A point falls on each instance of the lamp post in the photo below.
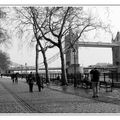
(75, 82)
(26, 67)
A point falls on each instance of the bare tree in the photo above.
(57, 22)
(27, 30)
(45, 28)
(54, 23)
(4, 58)
(42, 47)
(4, 37)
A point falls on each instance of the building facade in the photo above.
(71, 54)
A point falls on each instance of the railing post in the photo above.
(112, 80)
(104, 77)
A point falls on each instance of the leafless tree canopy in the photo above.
(48, 26)
(4, 37)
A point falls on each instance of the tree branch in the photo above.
(50, 25)
(35, 22)
(64, 20)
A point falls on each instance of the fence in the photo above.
(111, 77)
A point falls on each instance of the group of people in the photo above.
(14, 77)
(30, 78)
(30, 81)
(94, 75)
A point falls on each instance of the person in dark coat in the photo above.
(1, 75)
(12, 77)
(26, 76)
(95, 81)
(30, 82)
(16, 77)
(38, 81)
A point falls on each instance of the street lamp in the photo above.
(26, 67)
(75, 82)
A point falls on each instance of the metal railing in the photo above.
(106, 77)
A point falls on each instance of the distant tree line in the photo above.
(4, 57)
(4, 61)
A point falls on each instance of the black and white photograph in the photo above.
(58, 58)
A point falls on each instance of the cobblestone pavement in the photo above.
(15, 98)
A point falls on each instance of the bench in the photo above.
(86, 84)
(108, 85)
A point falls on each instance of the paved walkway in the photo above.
(107, 97)
(15, 98)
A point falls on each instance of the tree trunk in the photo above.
(63, 68)
(36, 60)
(46, 67)
(45, 62)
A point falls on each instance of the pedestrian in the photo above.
(1, 75)
(16, 77)
(30, 82)
(95, 81)
(38, 81)
(26, 76)
(12, 77)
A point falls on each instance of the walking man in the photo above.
(38, 81)
(12, 77)
(30, 82)
(16, 77)
(95, 81)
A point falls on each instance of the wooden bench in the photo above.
(107, 85)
